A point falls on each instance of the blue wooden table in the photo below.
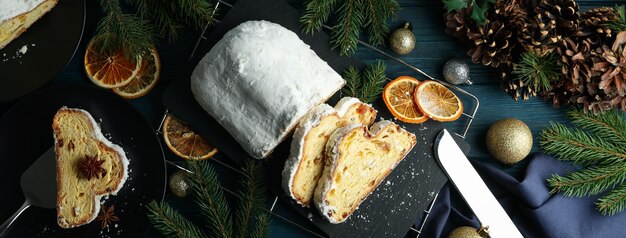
(433, 48)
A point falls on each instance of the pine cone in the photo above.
(510, 12)
(575, 60)
(611, 67)
(606, 89)
(491, 44)
(597, 101)
(594, 24)
(514, 87)
(517, 89)
(565, 12)
(540, 34)
(459, 23)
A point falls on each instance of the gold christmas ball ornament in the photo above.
(402, 40)
(178, 185)
(469, 232)
(509, 140)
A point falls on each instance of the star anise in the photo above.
(107, 217)
(91, 167)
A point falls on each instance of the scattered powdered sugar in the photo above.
(17, 54)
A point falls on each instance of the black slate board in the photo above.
(392, 208)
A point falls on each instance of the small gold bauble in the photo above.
(178, 185)
(402, 40)
(509, 140)
(468, 232)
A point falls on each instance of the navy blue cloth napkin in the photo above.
(528, 202)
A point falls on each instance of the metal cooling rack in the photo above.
(271, 209)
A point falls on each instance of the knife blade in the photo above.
(473, 189)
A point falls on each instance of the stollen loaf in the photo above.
(258, 81)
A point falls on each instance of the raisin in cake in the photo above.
(18, 15)
(258, 81)
(88, 167)
(306, 162)
(358, 160)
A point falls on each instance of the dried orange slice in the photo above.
(437, 101)
(109, 70)
(145, 80)
(184, 142)
(398, 96)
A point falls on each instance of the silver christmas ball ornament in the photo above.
(456, 71)
(402, 40)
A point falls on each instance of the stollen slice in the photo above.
(306, 162)
(357, 161)
(89, 167)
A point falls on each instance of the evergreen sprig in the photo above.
(538, 72)
(210, 198)
(597, 144)
(365, 86)
(613, 202)
(171, 223)
(352, 17)
(620, 23)
(135, 34)
(171, 16)
(116, 30)
(252, 199)
(345, 34)
(248, 220)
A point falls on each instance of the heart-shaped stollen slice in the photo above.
(88, 167)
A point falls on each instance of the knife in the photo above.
(473, 189)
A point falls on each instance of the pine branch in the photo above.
(252, 199)
(352, 16)
(117, 30)
(376, 14)
(261, 226)
(171, 223)
(170, 16)
(589, 181)
(198, 12)
(609, 124)
(316, 14)
(158, 13)
(365, 86)
(538, 72)
(580, 147)
(353, 82)
(209, 197)
(345, 34)
(613, 202)
(373, 81)
(600, 148)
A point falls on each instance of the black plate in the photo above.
(25, 133)
(55, 37)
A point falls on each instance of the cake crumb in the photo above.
(24, 49)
